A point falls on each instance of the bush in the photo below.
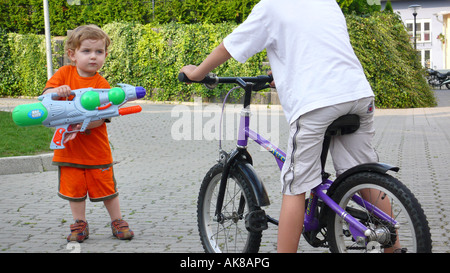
(389, 61)
(388, 7)
(30, 67)
(26, 16)
(23, 65)
(200, 11)
(151, 55)
(7, 78)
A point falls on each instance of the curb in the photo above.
(27, 164)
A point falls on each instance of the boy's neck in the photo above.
(84, 74)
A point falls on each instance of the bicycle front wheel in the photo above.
(411, 232)
(229, 234)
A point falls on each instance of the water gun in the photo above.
(88, 105)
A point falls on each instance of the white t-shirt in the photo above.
(309, 50)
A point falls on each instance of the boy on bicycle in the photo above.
(85, 165)
(318, 79)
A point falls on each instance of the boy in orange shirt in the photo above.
(85, 165)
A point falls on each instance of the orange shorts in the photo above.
(75, 184)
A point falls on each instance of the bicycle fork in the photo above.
(256, 219)
(227, 160)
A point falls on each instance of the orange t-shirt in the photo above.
(89, 149)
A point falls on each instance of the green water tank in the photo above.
(29, 114)
(116, 95)
(90, 100)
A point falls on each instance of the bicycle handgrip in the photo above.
(183, 78)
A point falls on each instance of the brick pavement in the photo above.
(159, 178)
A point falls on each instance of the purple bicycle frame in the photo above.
(310, 222)
(245, 132)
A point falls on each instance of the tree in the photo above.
(388, 7)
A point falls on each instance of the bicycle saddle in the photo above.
(343, 125)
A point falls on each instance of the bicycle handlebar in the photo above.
(248, 83)
(212, 79)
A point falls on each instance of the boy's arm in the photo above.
(64, 91)
(95, 124)
(217, 57)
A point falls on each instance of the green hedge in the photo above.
(390, 62)
(151, 56)
(7, 78)
(23, 64)
(26, 16)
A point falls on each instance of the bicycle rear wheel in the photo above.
(381, 190)
(229, 234)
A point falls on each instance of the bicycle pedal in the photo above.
(256, 221)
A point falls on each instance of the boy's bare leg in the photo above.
(374, 196)
(78, 210)
(113, 207)
(291, 222)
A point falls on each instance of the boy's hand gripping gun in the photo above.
(88, 105)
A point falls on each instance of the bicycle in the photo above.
(337, 216)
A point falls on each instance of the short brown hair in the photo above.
(86, 32)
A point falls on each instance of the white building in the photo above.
(432, 29)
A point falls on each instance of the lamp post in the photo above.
(48, 40)
(415, 8)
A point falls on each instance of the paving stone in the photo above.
(159, 178)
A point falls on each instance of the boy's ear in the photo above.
(71, 55)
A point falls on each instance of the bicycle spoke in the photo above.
(379, 203)
(227, 232)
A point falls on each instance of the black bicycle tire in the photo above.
(401, 192)
(253, 238)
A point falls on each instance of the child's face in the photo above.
(89, 57)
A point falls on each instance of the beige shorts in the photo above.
(301, 171)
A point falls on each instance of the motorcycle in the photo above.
(438, 79)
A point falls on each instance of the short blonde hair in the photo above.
(86, 32)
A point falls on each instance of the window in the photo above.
(423, 30)
(426, 32)
(425, 58)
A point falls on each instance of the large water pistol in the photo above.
(88, 105)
